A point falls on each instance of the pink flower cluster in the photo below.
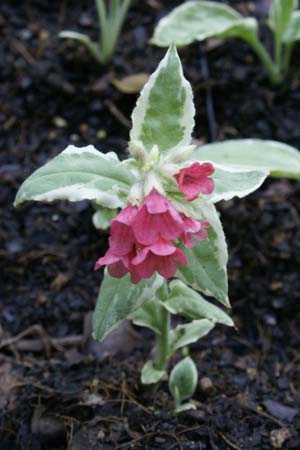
(142, 239)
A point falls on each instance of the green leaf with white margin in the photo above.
(199, 20)
(187, 302)
(149, 315)
(103, 217)
(78, 174)
(235, 182)
(118, 299)
(189, 333)
(206, 268)
(292, 33)
(279, 159)
(183, 381)
(150, 375)
(164, 113)
(280, 16)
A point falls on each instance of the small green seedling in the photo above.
(111, 19)
(198, 20)
(167, 246)
(182, 384)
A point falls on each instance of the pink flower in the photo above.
(122, 245)
(118, 266)
(156, 218)
(162, 257)
(142, 239)
(194, 180)
(122, 238)
(193, 230)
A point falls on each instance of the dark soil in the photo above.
(58, 389)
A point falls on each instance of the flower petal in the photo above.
(156, 218)
(194, 180)
(121, 239)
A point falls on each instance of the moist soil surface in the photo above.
(59, 389)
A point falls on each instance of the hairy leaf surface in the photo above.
(199, 20)
(118, 299)
(206, 269)
(275, 157)
(164, 114)
(78, 174)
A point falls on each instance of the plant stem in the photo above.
(271, 68)
(278, 54)
(162, 342)
(287, 56)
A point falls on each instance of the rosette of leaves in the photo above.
(163, 121)
(198, 20)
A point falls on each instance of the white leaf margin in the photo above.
(140, 110)
(240, 193)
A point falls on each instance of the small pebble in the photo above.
(101, 435)
(252, 373)
(74, 138)
(85, 20)
(101, 134)
(206, 386)
(279, 437)
(60, 122)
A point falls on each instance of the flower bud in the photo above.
(137, 151)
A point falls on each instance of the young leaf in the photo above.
(118, 299)
(235, 182)
(78, 174)
(189, 333)
(277, 158)
(292, 32)
(206, 268)
(199, 20)
(280, 16)
(185, 301)
(102, 218)
(149, 315)
(93, 47)
(150, 375)
(164, 114)
(184, 407)
(183, 381)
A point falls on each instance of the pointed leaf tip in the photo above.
(164, 113)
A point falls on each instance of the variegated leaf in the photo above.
(199, 20)
(189, 333)
(235, 182)
(275, 157)
(151, 375)
(187, 302)
(164, 112)
(183, 382)
(78, 174)
(118, 299)
(149, 315)
(206, 268)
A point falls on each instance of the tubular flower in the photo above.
(194, 180)
(142, 240)
(194, 230)
(162, 257)
(157, 218)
